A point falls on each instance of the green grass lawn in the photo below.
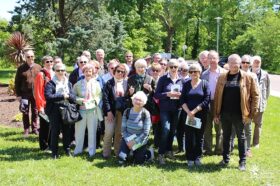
(23, 164)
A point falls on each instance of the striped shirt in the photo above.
(135, 125)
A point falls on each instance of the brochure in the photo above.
(175, 88)
(136, 145)
(196, 122)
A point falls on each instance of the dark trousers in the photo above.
(168, 120)
(180, 132)
(34, 114)
(230, 120)
(157, 133)
(194, 140)
(44, 134)
(56, 127)
(140, 155)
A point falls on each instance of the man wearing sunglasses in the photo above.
(25, 76)
(77, 73)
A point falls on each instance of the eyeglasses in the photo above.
(171, 67)
(184, 70)
(128, 56)
(120, 71)
(191, 72)
(48, 61)
(163, 64)
(112, 68)
(83, 62)
(28, 57)
(61, 70)
(154, 70)
(137, 99)
(245, 62)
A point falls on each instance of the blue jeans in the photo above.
(168, 120)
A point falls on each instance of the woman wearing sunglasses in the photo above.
(195, 100)
(57, 92)
(168, 92)
(113, 90)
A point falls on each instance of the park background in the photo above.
(181, 27)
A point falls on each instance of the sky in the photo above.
(5, 6)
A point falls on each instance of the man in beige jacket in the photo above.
(235, 104)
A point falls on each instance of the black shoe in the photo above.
(68, 153)
(223, 163)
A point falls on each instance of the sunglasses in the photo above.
(61, 70)
(83, 62)
(112, 68)
(155, 70)
(48, 61)
(120, 71)
(191, 72)
(171, 67)
(128, 56)
(28, 57)
(163, 64)
(245, 62)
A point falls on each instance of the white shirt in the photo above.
(213, 78)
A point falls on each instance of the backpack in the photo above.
(143, 114)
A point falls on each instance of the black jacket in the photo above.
(53, 100)
(108, 96)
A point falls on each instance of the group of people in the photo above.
(121, 102)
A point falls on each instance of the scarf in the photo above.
(61, 86)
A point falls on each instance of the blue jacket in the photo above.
(164, 86)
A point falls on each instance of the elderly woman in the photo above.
(114, 90)
(195, 100)
(180, 130)
(168, 92)
(40, 81)
(88, 94)
(57, 92)
(139, 81)
(111, 67)
(136, 125)
(163, 63)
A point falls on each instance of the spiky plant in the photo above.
(16, 45)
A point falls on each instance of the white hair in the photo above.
(59, 65)
(140, 95)
(234, 57)
(140, 62)
(257, 58)
(248, 57)
(195, 67)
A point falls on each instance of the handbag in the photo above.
(121, 104)
(70, 114)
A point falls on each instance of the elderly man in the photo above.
(264, 89)
(25, 76)
(100, 55)
(129, 59)
(87, 54)
(203, 60)
(211, 75)
(235, 104)
(245, 66)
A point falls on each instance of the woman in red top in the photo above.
(39, 87)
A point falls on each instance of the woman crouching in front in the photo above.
(136, 124)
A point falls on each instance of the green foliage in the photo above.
(11, 87)
(21, 157)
